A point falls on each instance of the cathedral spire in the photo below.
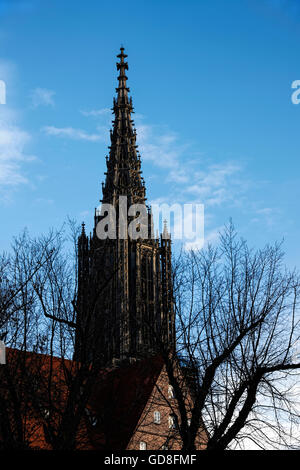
(123, 177)
(135, 306)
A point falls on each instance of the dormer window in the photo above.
(156, 417)
(143, 445)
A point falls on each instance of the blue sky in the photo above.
(211, 86)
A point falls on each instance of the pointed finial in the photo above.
(122, 66)
(83, 228)
(122, 56)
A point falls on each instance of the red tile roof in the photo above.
(117, 401)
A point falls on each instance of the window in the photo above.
(140, 337)
(156, 417)
(2, 350)
(165, 447)
(171, 393)
(91, 417)
(172, 422)
(143, 445)
(93, 420)
(189, 422)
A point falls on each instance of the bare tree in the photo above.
(18, 328)
(233, 373)
(66, 384)
(45, 391)
(237, 333)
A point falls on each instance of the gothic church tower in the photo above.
(124, 306)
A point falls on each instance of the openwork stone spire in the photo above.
(124, 307)
(123, 177)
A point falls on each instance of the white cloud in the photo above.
(217, 184)
(163, 149)
(43, 201)
(96, 112)
(71, 133)
(178, 176)
(42, 97)
(265, 211)
(268, 214)
(214, 185)
(13, 141)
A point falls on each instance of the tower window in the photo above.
(143, 445)
(156, 417)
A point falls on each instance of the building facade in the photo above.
(124, 307)
(129, 408)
